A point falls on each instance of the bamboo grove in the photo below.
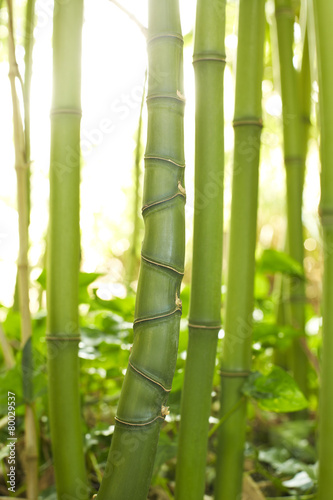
(200, 404)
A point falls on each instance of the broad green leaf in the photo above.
(273, 261)
(277, 391)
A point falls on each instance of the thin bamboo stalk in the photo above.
(28, 46)
(294, 157)
(133, 264)
(7, 350)
(236, 358)
(323, 18)
(31, 449)
(205, 304)
(142, 404)
(63, 254)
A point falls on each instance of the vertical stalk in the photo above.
(63, 253)
(31, 452)
(236, 358)
(205, 307)
(136, 203)
(28, 46)
(294, 157)
(323, 11)
(152, 362)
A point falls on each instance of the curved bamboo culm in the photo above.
(294, 153)
(63, 253)
(142, 405)
(236, 357)
(205, 302)
(21, 166)
(323, 11)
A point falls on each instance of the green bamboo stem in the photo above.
(205, 304)
(295, 165)
(28, 46)
(64, 253)
(236, 358)
(133, 264)
(142, 404)
(31, 450)
(323, 16)
(7, 350)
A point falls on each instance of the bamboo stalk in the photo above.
(133, 264)
(7, 350)
(63, 255)
(294, 154)
(236, 358)
(323, 16)
(28, 46)
(142, 404)
(31, 450)
(205, 303)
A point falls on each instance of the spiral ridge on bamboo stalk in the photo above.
(158, 306)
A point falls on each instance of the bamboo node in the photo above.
(148, 378)
(159, 202)
(132, 424)
(159, 264)
(62, 338)
(294, 159)
(248, 121)
(170, 160)
(65, 111)
(206, 56)
(176, 97)
(165, 411)
(165, 35)
(288, 11)
(205, 327)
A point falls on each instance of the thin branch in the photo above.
(131, 16)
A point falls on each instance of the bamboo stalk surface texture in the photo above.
(142, 404)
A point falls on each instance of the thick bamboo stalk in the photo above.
(142, 405)
(236, 358)
(294, 157)
(31, 450)
(205, 306)
(323, 17)
(64, 253)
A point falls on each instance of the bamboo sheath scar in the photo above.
(143, 401)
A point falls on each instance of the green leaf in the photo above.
(123, 307)
(277, 391)
(273, 261)
(166, 450)
(85, 279)
(273, 335)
